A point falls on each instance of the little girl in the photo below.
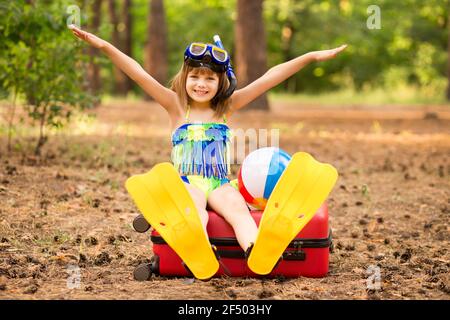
(199, 109)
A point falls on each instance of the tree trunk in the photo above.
(448, 58)
(155, 58)
(42, 137)
(128, 37)
(286, 48)
(94, 68)
(11, 119)
(251, 55)
(119, 76)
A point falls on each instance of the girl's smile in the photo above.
(202, 87)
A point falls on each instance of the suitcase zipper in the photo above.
(232, 242)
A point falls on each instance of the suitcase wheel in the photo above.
(144, 271)
(140, 224)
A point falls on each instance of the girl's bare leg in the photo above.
(230, 204)
(200, 203)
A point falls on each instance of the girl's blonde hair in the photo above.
(178, 84)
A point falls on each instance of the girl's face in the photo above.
(202, 86)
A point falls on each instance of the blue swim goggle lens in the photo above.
(199, 49)
(206, 55)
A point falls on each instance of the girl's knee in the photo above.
(227, 199)
(233, 198)
(224, 192)
(197, 195)
(204, 215)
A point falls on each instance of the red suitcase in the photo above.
(307, 255)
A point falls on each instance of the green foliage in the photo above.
(40, 61)
(409, 49)
(413, 38)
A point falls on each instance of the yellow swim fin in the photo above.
(166, 204)
(298, 194)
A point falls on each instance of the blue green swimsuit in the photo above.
(201, 154)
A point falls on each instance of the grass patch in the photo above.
(402, 96)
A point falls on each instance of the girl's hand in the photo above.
(93, 40)
(324, 55)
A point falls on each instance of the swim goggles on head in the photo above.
(206, 55)
(214, 57)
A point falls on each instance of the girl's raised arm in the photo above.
(164, 96)
(278, 74)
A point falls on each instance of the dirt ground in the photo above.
(389, 209)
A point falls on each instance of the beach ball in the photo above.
(259, 173)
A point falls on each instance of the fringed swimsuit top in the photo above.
(202, 149)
